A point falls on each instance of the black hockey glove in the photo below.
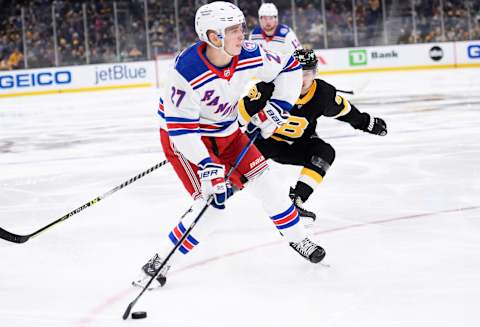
(377, 126)
(257, 97)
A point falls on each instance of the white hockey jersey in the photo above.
(202, 100)
(283, 40)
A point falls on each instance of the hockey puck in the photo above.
(139, 315)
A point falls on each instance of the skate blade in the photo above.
(308, 222)
(141, 283)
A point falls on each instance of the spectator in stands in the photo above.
(458, 16)
(15, 60)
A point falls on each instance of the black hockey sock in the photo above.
(303, 191)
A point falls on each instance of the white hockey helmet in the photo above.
(217, 16)
(267, 9)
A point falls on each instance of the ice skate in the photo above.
(309, 250)
(307, 216)
(149, 270)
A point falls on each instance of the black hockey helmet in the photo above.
(307, 58)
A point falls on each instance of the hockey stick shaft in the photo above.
(15, 238)
(190, 228)
(347, 92)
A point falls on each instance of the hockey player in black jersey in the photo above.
(296, 142)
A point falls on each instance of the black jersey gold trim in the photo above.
(320, 100)
(309, 95)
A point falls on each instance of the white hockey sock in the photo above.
(278, 206)
(200, 232)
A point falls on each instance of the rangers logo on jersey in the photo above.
(250, 46)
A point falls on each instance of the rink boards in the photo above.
(88, 78)
(400, 57)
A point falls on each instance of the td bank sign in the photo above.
(361, 57)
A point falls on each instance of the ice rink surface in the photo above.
(399, 217)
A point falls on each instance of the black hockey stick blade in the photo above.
(129, 308)
(6, 235)
(11, 237)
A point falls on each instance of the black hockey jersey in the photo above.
(320, 100)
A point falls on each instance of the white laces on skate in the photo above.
(153, 264)
(305, 247)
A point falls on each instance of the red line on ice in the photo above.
(111, 300)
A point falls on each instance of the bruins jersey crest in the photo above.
(320, 100)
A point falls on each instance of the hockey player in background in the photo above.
(200, 134)
(271, 35)
(296, 142)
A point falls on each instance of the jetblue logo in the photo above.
(473, 51)
(119, 72)
(44, 78)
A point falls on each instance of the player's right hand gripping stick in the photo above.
(268, 120)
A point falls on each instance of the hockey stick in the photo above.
(192, 225)
(11, 237)
(347, 92)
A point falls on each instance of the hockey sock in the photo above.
(177, 233)
(204, 227)
(307, 182)
(278, 206)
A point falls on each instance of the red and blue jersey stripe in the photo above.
(180, 126)
(215, 127)
(249, 63)
(161, 109)
(203, 79)
(291, 65)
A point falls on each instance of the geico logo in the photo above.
(35, 79)
(474, 51)
(119, 72)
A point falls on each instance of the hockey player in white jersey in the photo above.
(271, 35)
(201, 138)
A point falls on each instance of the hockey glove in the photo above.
(258, 96)
(268, 120)
(377, 126)
(212, 176)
